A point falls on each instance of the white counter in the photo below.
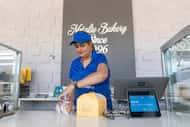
(33, 103)
(52, 119)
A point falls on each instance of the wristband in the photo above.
(75, 84)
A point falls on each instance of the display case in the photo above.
(176, 65)
(10, 60)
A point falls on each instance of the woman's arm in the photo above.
(99, 76)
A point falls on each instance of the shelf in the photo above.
(2, 95)
(2, 83)
(184, 51)
(7, 64)
(183, 101)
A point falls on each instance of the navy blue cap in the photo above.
(80, 37)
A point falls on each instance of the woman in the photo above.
(89, 72)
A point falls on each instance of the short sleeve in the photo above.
(74, 70)
(71, 71)
(101, 59)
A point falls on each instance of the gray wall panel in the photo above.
(119, 47)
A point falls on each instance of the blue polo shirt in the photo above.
(78, 72)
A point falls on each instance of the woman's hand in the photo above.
(68, 91)
(67, 97)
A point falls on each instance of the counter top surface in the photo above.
(52, 119)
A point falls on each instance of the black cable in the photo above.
(111, 115)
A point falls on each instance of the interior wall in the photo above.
(155, 22)
(35, 28)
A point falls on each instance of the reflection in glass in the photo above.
(176, 65)
(9, 75)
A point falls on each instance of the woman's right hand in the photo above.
(67, 92)
(66, 98)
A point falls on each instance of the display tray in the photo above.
(3, 114)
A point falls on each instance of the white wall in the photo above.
(155, 22)
(35, 26)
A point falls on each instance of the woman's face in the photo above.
(84, 49)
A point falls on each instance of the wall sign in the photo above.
(100, 41)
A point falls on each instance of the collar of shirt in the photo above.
(93, 58)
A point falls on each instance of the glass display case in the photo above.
(10, 60)
(176, 65)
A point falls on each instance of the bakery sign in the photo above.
(101, 41)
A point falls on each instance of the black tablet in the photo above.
(143, 103)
